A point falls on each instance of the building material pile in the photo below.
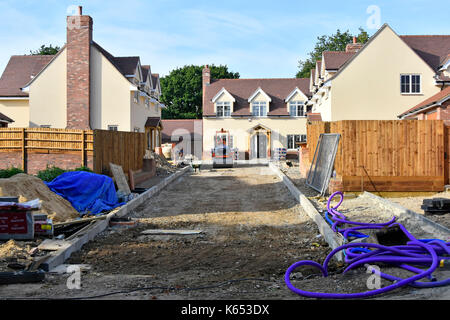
(14, 252)
(28, 187)
(162, 165)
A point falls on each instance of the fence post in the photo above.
(83, 150)
(24, 152)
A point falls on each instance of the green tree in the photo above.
(335, 42)
(45, 50)
(182, 90)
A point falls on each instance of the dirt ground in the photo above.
(252, 231)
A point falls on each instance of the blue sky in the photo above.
(258, 39)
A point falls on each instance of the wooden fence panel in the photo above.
(411, 152)
(46, 141)
(126, 149)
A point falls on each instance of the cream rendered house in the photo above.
(378, 80)
(83, 87)
(254, 116)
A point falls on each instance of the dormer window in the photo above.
(259, 103)
(297, 109)
(259, 109)
(223, 103)
(223, 109)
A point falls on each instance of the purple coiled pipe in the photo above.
(415, 252)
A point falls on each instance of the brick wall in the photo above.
(335, 184)
(39, 161)
(304, 162)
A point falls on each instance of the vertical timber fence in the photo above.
(34, 149)
(388, 155)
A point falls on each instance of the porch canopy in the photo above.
(259, 128)
(153, 128)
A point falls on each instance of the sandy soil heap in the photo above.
(28, 187)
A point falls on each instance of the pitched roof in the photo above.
(242, 89)
(19, 71)
(127, 65)
(171, 125)
(441, 95)
(431, 48)
(4, 118)
(314, 116)
(333, 60)
(319, 68)
(155, 79)
(153, 122)
(145, 71)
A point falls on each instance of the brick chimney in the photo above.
(206, 81)
(353, 47)
(79, 38)
(206, 76)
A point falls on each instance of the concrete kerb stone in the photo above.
(60, 256)
(333, 239)
(400, 211)
(133, 204)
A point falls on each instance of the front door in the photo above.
(259, 146)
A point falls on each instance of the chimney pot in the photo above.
(354, 39)
(80, 10)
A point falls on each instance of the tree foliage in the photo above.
(335, 42)
(45, 50)
(182, 90)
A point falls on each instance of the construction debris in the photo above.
(162, 165)
(174, 232)
(28, 187)
(436, 206)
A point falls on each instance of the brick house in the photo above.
(83, 86)
(255, 116)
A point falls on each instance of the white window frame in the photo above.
(223, 109)
(410, 83)
(257, 105)
(113, 127)
(297, 104)
(302, 138)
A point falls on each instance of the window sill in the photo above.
(412, 94)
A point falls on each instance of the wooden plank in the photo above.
(398, 183)
(120, 178)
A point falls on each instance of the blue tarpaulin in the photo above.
(89, 193)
